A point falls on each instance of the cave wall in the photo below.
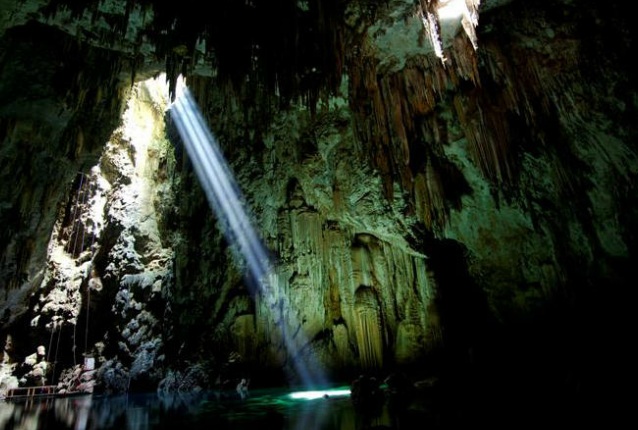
(433, 213)
(486, 170)
(60, 103)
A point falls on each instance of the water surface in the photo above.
(263, 409)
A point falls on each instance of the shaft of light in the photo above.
(225, 199)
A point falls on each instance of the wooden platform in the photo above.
(29, 393)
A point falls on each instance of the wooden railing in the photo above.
(29, 393)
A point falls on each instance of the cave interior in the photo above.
(446, 187)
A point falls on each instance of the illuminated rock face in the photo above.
(422, 211)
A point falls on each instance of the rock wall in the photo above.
(447, 200)
(60, 103)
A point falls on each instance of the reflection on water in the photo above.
(271, 409)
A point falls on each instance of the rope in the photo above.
(75, 209)
(56, 354)
(93, 229)
(50, 341)
(86, 329)
(77, 220)
(86, 193)
(75, 361)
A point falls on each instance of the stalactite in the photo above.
(419, 93)
(483, 116)
(463, 62)
(391, 105)
(430, 198)
(427, 12)
(381, 140)
(548, 91)
(368, 329)
(366, 283)
(470, 20)
(332, 299)
(497, 68)
(488, 137)
(393, 96)
(516, 90)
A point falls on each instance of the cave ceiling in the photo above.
(292, 48)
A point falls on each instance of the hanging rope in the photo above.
(84, 198)
(94, 229)
(79, 202)
(75, 212)
(51, 340)
(57, 347)
(75, 362)
(92, 241)
(86, 329)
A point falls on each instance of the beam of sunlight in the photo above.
(217, 182)
(224, 197)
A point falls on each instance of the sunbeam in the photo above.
(225, 199)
